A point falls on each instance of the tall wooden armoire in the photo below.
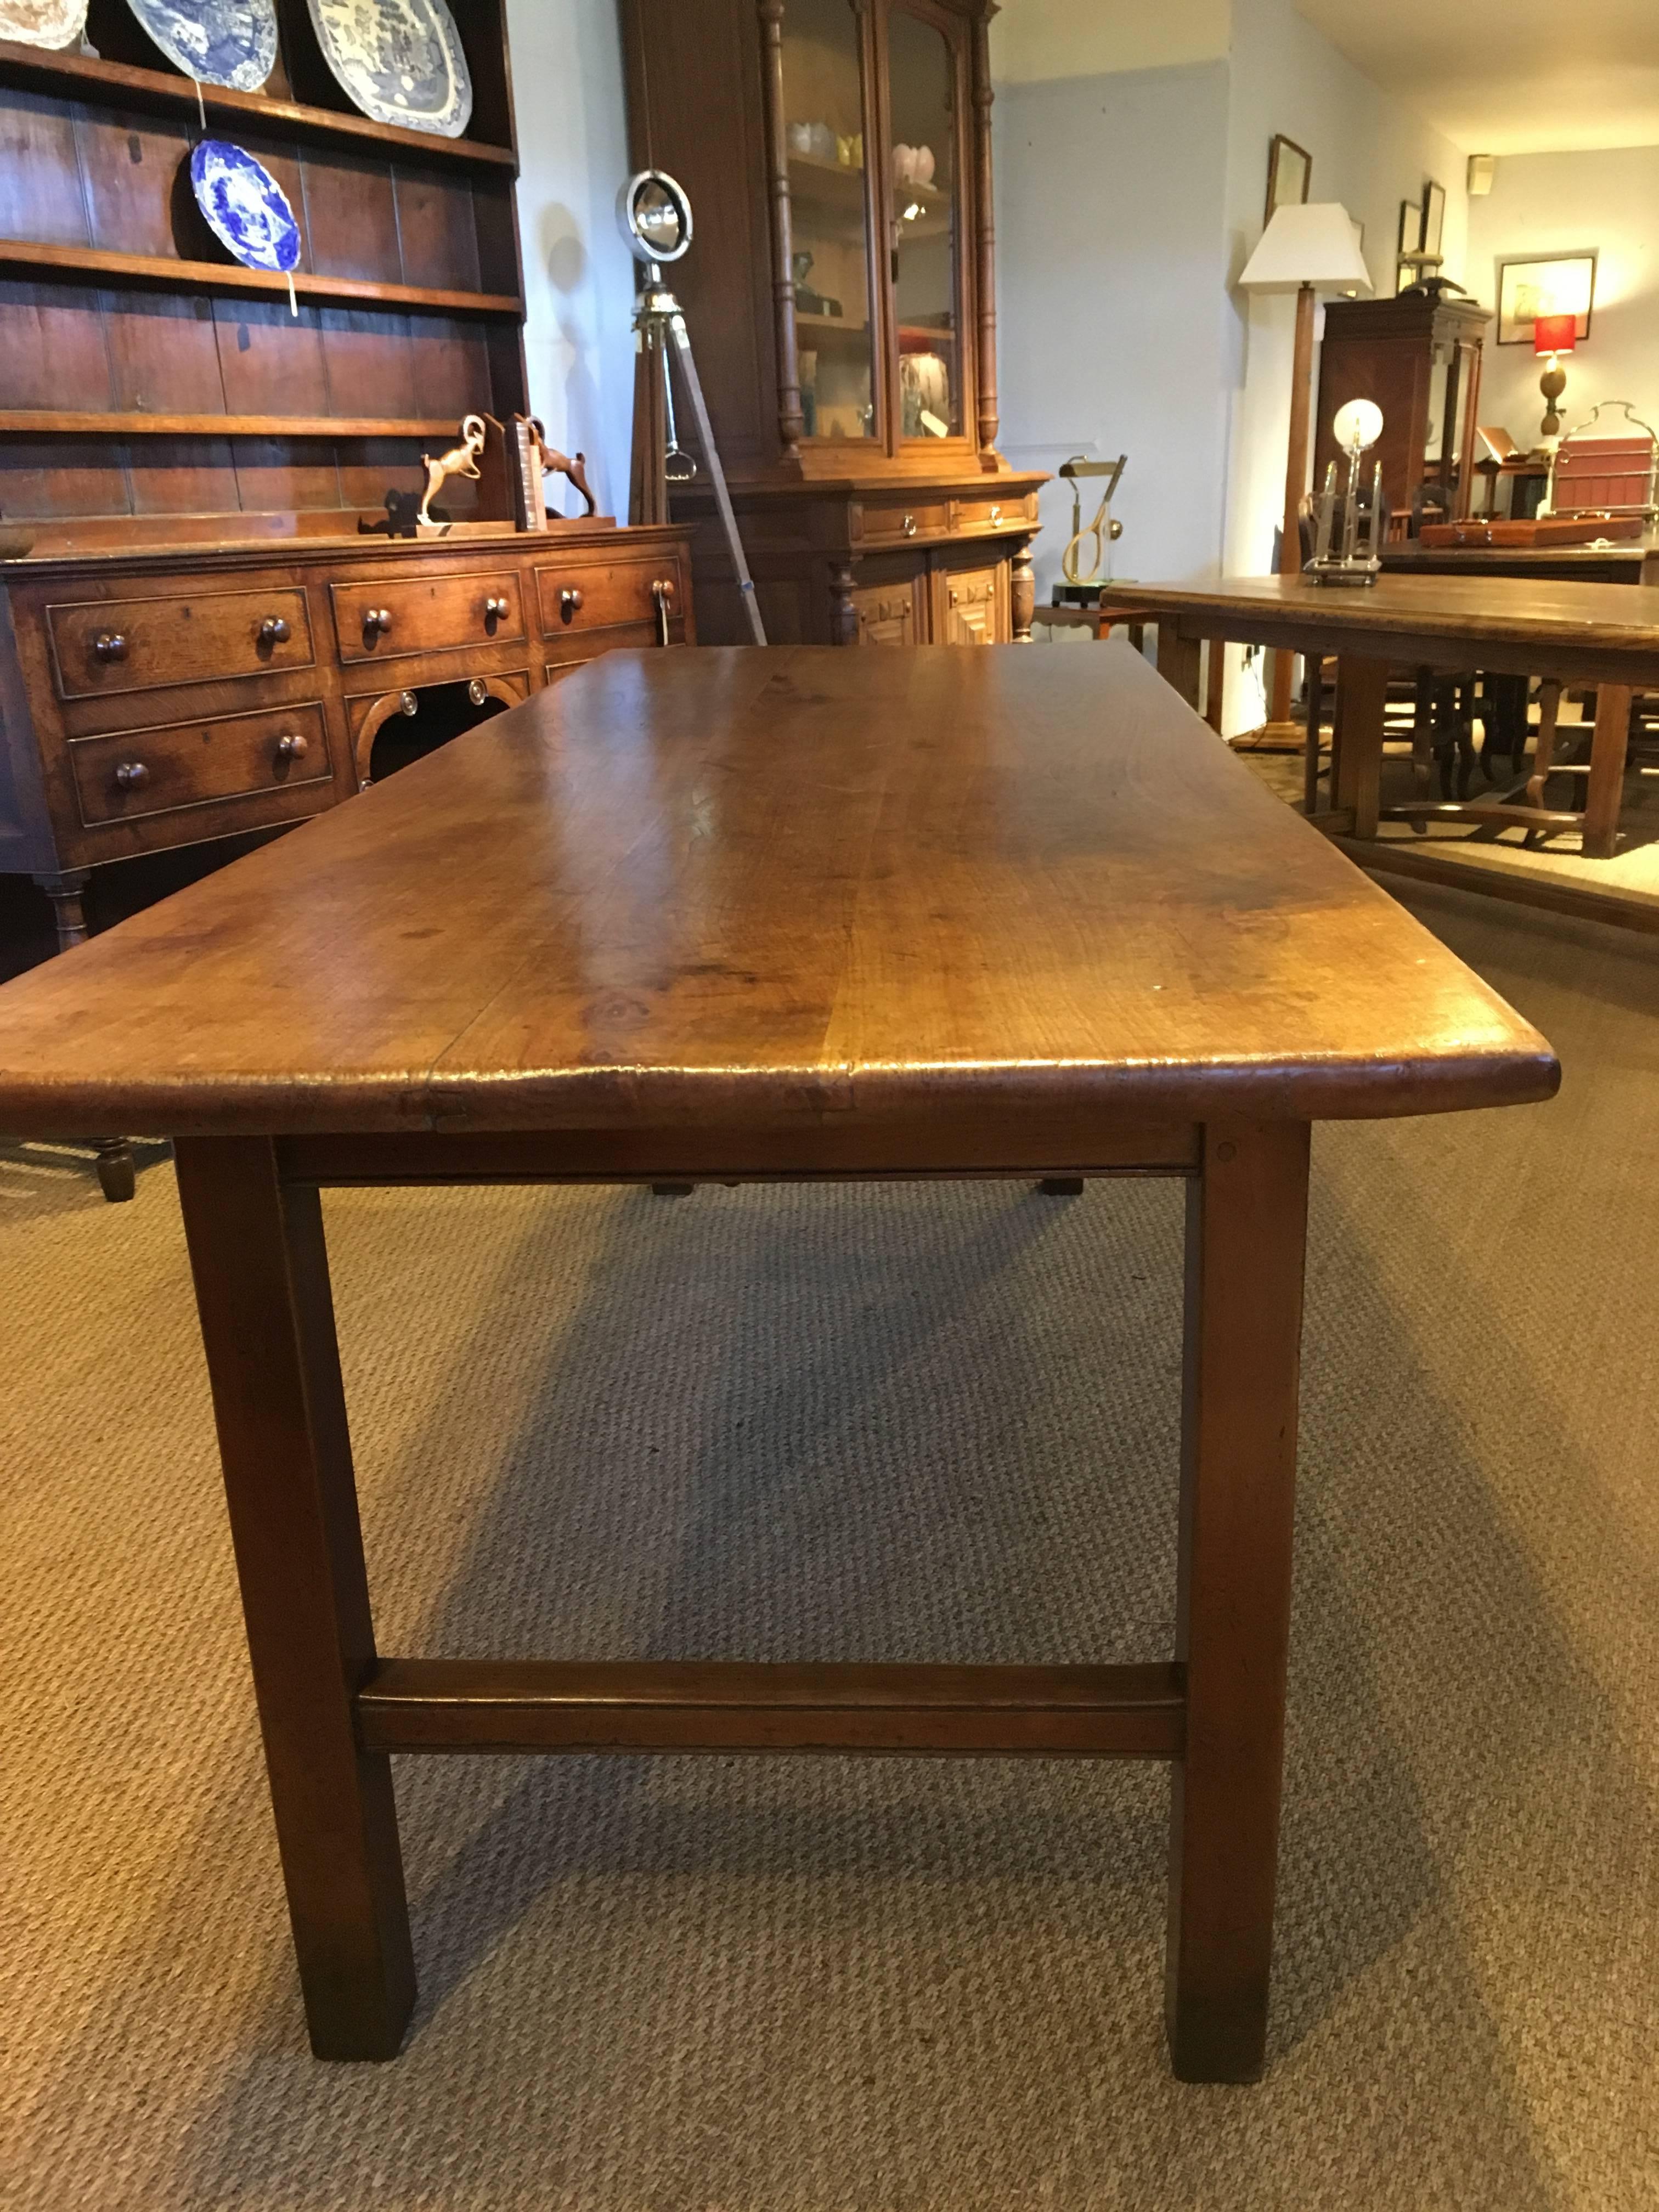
(840, 292)
(1417, 356)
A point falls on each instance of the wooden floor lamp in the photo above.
(1304, 250)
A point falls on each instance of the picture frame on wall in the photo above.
(1411, 233)
(1534, 284)
(1289, 173)
(1434, 216)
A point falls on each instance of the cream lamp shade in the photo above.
(1312, 245)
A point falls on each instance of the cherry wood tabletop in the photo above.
(753, 889)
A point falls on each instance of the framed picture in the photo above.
(1290, 173)
(1405, 276)
(1530, 285)
(1434, 216)
(1411, 227)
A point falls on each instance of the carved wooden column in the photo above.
(843, 615)
(986, 270)
(1021, 592)
(792, 423)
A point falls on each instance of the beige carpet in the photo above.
(916, 1423)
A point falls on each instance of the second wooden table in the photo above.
(1604, 634)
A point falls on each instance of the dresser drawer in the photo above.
(105, 646)
(599, 597)
(439, 614)
(889, 522)
(147, 772)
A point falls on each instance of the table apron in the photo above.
(816, 1152)
(1576, 664)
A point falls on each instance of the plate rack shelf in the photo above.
(148, 384)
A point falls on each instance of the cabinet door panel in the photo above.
(887, 613)
(971, 597)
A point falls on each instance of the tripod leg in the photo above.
(717, 474)
(648, 488)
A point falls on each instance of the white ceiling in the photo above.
(1510, 76)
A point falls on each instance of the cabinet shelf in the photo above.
(823, 326)
(117, 83)
(39, 421)
(67, 264)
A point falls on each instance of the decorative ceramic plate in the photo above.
(401, 61)
(231, 42)
(246, 207)
(51, 23)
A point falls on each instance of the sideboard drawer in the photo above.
(145, 772)
(892, 521)
(105, 646)
(380, 621)
(599, 597)
(991, 514)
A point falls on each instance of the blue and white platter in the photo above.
(400, 61)
(246, 209)
(229, 42)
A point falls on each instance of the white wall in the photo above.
(1109, 240)
(1562, 203)
(1031, 39)
(578, 280)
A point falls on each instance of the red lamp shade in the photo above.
(1554, 334)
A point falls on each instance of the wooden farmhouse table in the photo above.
(1605, 635)
(769, 914)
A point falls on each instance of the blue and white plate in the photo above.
(246, 207)
(230, 42)
(400, 61)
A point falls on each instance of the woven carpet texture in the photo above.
(918, 1422)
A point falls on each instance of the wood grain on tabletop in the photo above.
(742, 887)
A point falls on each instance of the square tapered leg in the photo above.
(1246, 1232)
(261, 1271)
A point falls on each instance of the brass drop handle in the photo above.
(377, 622)
(109, 645)
(293, 748)
(910, 525)
(662, 599)
(996, 514)
(570, 601)
(495, 609)
(273, 630)
(131, 776)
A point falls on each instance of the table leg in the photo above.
(1608, 746)
(261, 1271)
(1215, 684)
(1362, 692)
(1246, 1230)
(1179, 658)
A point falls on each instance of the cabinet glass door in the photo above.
(921, 65)
(824, 138)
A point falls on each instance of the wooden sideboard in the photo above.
(156, 697)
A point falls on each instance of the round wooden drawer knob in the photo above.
(570, 601)
(131, 776)
(495, 609)
(377, 622)
(293, 748)
(273, 630)
(663, 589)
(109, 645)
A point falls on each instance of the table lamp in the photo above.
(1552, 337)
(1303, 250)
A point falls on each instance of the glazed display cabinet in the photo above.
(841, 296)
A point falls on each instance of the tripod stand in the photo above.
(659, 459)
